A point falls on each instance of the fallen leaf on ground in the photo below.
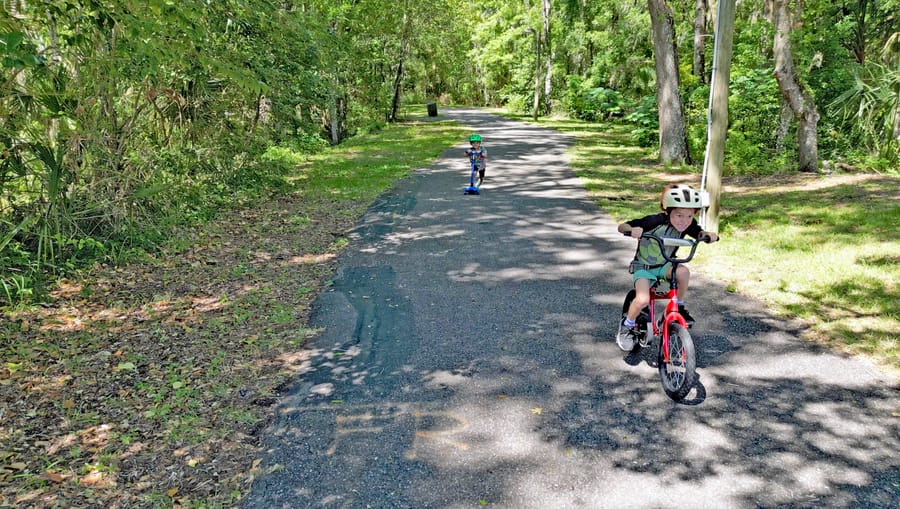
(98, 479)
(54, 477)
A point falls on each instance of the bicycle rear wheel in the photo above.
(679, 374)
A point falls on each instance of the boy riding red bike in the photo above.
(680, 204)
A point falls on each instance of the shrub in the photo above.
(645, 120)
(516, 103)
(587, 102)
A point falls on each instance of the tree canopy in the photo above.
(117, 113)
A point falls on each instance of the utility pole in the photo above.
(717, 125)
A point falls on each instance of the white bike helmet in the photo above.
(681, 196)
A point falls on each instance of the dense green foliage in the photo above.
(119, 119)
(603, 67)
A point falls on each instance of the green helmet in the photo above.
(475, 137)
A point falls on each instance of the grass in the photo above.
(822, 248)
(368, 165)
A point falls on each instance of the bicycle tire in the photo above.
(679, 374)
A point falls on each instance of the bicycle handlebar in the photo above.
(664, 242)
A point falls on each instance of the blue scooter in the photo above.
(472, 188)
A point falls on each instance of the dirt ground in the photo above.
(146, 385)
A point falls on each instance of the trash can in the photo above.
(432, 109)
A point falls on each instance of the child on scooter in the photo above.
(479, 153)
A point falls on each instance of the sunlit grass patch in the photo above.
(830, 266)
(362, 168)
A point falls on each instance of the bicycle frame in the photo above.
(670, 314)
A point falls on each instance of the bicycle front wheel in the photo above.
(679, 374)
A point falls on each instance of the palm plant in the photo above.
(872, 109)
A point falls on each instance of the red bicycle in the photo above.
(675, 356)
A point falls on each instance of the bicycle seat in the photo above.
(661, 287)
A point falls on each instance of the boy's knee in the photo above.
(641, 300)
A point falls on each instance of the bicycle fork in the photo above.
(670, 315)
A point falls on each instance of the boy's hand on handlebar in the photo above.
(630, 231)
(708, 237)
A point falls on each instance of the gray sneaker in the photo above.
(625, 338)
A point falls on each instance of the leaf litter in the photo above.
(149, 384)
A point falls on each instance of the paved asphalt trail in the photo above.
(467, 360)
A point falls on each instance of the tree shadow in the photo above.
(825, 444)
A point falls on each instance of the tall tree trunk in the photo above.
(699, 67)
(334, 114)
(395, 102)
(795, 94)
(718, 113)
(398, 79)
(858, 44)
(673, 147)
(548, 71)
(537, 75)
